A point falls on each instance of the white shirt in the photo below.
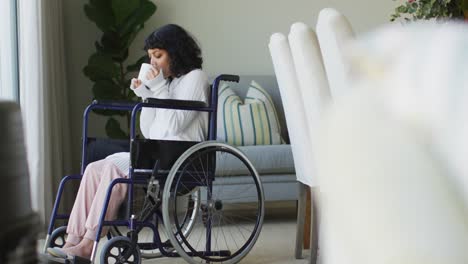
(168, 124)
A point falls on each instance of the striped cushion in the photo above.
(254, 122)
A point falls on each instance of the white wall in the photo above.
(233, 34)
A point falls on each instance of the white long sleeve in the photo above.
(157, 89)
(168, 124)
(171, 124)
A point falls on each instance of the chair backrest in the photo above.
(293, 107)
(334, 31)
(312, 80)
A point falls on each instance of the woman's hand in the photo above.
(135, 83)
(152, 73)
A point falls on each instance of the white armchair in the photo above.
(315, 96)
(295, 120)
(304, 91)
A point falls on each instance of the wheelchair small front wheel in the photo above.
(120, 250)
(231, 211)
(58, 237)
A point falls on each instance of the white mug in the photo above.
(145, 67)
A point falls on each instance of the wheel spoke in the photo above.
(231, 235)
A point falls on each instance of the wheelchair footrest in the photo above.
(48, 259)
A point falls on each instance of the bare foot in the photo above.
(68, 245)
(83, 249)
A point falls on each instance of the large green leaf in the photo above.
(102, 5)
(115, 46)
(121, 56)
(426, 10)
(138, 18)
(113, 129)
(110, 40)
(100, 48)
(116, 55)
(107, 90)
(123, 8)
(464, 5)
(128, 39)
(101, 66)
(120, 21)
(131, 96)
(402, 9)
(104, 20)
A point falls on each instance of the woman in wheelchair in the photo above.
(175, 73)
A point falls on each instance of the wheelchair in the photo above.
(189, 204)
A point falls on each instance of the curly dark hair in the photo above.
(183, 50)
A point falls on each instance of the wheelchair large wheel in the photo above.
(189, 203)
(231, 208)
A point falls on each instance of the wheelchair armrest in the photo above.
(113, 104)
(175, 104)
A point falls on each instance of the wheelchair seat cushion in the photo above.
(145, 152)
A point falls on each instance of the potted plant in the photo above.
(108, 68)
(411, 10)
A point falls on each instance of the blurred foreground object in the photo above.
(393, 154)
(18, 223)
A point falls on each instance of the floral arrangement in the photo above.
(411, 10)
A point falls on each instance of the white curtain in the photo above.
(8, 59)
(43, 98)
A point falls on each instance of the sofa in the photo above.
(274, 163)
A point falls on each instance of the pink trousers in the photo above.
(84, 217)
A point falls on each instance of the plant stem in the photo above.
(124, 91)
(122, 79)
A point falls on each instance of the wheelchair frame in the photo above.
(132, 180)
